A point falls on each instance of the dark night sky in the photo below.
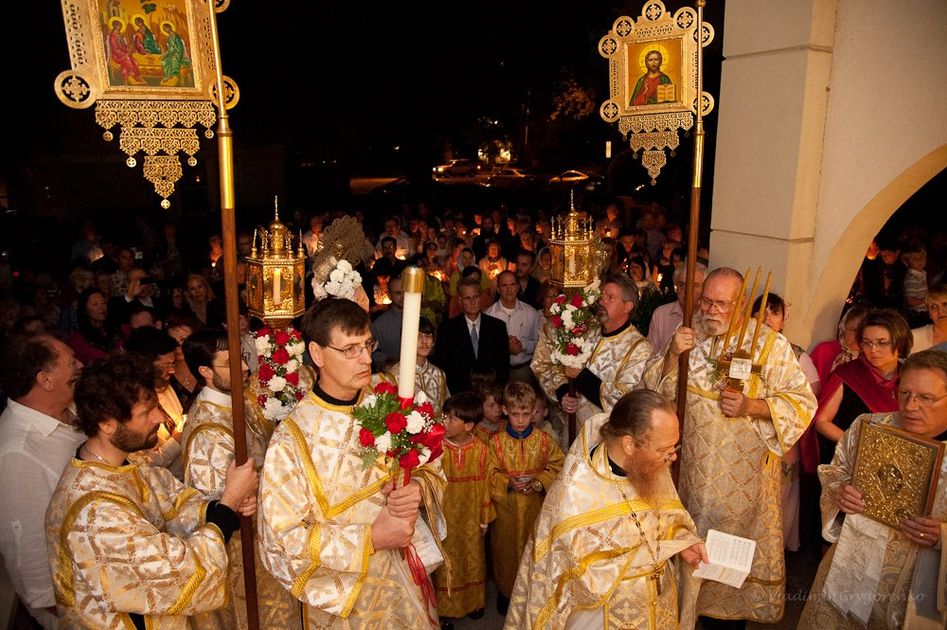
(339, 76)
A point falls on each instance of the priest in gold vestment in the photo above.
(876, 576)
(609, 529)
(331, 530)
(129, 545)
(208, 451)
(733, 442)
(615, 366)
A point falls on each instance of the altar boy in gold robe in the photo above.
(524, 462)
(461, 581)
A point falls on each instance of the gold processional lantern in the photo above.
(578, 255)
(276, 275)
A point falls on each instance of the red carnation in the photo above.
(556, 321)
(299, 395)
(395, 422)
(294, 334)
(292, 378)
(577, 300)
(261, 399)
(263, 332)
(385, 388)
(572, 349)
(578, 330)
(266, 373)
(366, 438)
(281, 337)
(560, 299)
(280, 356)
(427, 409)
(409, 460)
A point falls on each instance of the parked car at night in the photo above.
(509, 177)
(573, 178)
(457, 168)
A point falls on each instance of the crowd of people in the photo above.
(120, 498)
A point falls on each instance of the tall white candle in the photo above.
(412, 283)
(277, 287)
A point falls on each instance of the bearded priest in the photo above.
(610, 527)
(733, 440)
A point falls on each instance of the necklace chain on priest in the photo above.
(657, 571)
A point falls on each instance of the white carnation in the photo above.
(292, 365)
(295, 348)
(369, 401)
(262, 344)
(277, 383)
(272, 407)
(424, 455)
(415, 422)
(420, 397)
(383, 442)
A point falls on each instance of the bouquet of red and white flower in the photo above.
(573, 319)
(398, 429)
(280, 357)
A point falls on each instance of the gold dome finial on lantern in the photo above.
(275, 274)
(279, 236)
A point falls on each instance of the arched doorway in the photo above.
(846, 257)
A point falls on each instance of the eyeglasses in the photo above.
(923, 400)
(720, 305)
(355, 350)
(881, 344)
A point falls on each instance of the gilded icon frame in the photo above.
(896, 472)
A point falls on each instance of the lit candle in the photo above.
(412, 283)
(277, 287)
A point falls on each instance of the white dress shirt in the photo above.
(523, 322)
(34, 450)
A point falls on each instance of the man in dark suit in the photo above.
(472, 343)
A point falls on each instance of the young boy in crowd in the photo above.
(541, 417)
(523, 464)
(467, 509)
(492, 422)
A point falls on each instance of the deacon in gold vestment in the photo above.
(524, 461)
(616, 363)
(332, 530)
(733, 443)
(461, 582)
(129, 545)
(208, 451)
(875, 576)
(610, 526)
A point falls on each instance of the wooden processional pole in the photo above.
(232, 298)
(694, 215)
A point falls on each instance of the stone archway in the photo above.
(849, 251)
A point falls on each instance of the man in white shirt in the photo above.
(403, 243)
(522, 326)
(666, 318)
(37, 440)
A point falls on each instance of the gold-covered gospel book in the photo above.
(896, 472)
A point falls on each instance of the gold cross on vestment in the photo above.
(657, 572)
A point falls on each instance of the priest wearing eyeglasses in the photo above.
(733, 442)
(877, 576)
(331, 530)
